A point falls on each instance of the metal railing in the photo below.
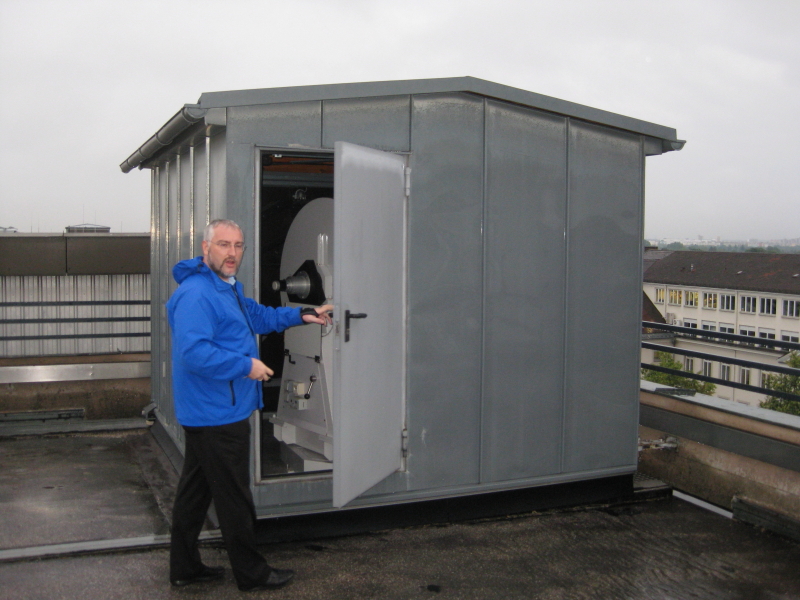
(73, 320)
(744, 341)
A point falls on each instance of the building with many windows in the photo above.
(745, 293)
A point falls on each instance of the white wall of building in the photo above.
(758, 314)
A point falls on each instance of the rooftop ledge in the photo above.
(708, 406)
(741, 458)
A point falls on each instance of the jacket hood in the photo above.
(186, 268)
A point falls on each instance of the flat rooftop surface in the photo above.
(114, 485)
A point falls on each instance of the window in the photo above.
(748, 304)
(767, 334)
(725, 372)
(707, 368)
(747, 330)
(727, 302)
(791, 308)
(676, 297)
(790, 336)
(710, 300)
(708, 325)
(727, 328)
(691, 298)
(690, 323)
(744, 376)
(659, 295)
(688, 364)
(769, 306)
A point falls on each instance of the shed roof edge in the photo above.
(431, 86)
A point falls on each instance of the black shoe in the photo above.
(205, 574)
(277, 578)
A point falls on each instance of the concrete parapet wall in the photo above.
(718, 476)
(726, 454)
(99, 397)
(74, 254)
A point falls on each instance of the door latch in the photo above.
(347, 316)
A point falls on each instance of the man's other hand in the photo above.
(260, 371)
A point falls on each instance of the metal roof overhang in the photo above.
(193, 113)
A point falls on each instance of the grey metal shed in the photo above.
(493, 238)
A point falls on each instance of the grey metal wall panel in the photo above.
(170, 212)
(449, 85)
(165, 273)
(525, 219)
(382, 123)
(185, 207)
(155, 270)
(494, 227)
(603, 297)
(201, 200)
(241, 203)
(171, 229)
(217, 178)
(291, 125)
(444, 282)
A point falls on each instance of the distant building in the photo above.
(752, 294)
(87, 228)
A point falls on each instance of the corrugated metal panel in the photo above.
(10, 291)
(68, 315)
(188, 191)
(160, 287)
(185, 207)
(201, 201)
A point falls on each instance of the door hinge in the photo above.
(404, 442)
(407, 173)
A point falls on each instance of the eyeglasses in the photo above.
(239, 247)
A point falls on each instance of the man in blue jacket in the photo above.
(216, 382)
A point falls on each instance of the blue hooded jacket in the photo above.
(213, 339)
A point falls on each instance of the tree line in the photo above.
(731, 248)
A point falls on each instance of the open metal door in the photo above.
(369, 258)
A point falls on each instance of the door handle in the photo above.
(347, 316)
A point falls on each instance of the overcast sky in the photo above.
(84, 83)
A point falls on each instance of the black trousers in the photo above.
(216, 466)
